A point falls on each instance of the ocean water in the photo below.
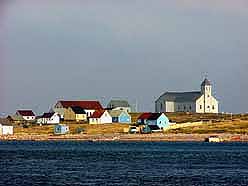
(119, 163)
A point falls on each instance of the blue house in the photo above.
(61, 129)
(120, 116)
(158, 119)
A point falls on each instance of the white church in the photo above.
(195, 102)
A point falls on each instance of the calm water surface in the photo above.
(85, 163)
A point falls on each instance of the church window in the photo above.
(178, 107)
(190, 107)
(184, 107)
(208, 106)
(200, 106)
(161, 106)
(213, 107)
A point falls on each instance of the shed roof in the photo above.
(94, 105)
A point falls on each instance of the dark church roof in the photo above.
(206, 82)
(181, 96)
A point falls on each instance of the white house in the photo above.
(49, 118)
(196, 102)
(89, 106)
(6, 130)
(100, 117)
(27, 115)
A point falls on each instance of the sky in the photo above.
(132, 49)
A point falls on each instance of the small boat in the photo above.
(213, 139)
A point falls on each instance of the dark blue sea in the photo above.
(118, 163)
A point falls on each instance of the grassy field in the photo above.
(74, 129)
(220, 123)
(232, 127)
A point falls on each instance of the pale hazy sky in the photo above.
(135, 49)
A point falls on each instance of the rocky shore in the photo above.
(126, 137)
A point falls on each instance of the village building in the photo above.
(196, 102)
(154, 120)
(61, 129)
(119, 105)
(100, 117)
(119, 116)
(6, 130)
(64, 108)
(27, 115)
(80, 114)
(49, 118)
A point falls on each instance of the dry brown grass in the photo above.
(87, 129)
(232, 127)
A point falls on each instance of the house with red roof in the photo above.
(154, 120)
(27, 115)
(142, 119)
(100, 117)
(89, 107)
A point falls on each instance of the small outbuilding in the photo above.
(6, 130)
(61, 129)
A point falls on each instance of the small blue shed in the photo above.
(61, 129)
(158, 119)
(120, 116)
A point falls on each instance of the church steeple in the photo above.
(206, 87)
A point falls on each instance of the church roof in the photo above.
(181, 96)
(206, 82)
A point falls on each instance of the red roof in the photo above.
(26, 112)
(97, 114)
(145, 115)
(47, 115)
(94, 105)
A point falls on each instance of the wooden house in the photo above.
(119, 116)
(89, 107)
(80, 114)
(49, 118)
(27, 115)
(100, 117)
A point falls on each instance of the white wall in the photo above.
(6, 130)
(106, 118)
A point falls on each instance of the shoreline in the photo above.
(154, 137)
